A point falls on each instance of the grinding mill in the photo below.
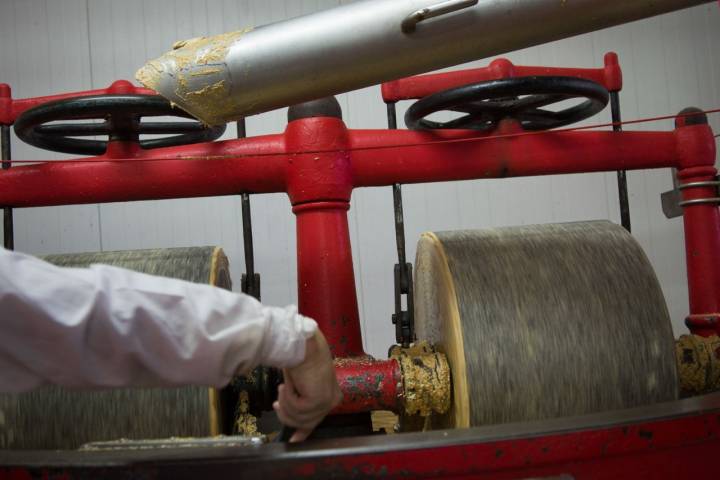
(522, 352)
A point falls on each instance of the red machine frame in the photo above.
(318, 161)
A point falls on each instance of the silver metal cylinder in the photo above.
(222, 78)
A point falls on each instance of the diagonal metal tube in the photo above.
(228, 76)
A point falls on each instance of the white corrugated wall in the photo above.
(51, 46)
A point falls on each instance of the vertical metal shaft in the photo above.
(621, 174)
(250, 280)
(392, 116)
(399, 225)
(9, 239)
(247, 236)
(397, 199)
(403, 319)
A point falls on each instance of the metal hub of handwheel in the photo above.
(120, 119)
(526, 99)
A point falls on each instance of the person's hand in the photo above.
(310, 390)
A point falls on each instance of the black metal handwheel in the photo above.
(523, 98)
(121, 120)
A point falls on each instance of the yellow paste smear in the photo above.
(245, 422)
(193, 59)
(698, 364)
(426, 378)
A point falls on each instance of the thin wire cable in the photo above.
(375, 147)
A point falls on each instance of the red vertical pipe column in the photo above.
(701, 217)
(319, 186)
(326, 282)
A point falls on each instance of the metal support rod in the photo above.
(397, 197)
(250, 282)
(403, 319)
(621, 174)
(399, 225)
(392, 115)
(8, 233)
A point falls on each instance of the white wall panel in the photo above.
(63, 45)
(44, 49)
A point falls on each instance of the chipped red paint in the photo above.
(671, 449)
(368, 384)
(677, 440)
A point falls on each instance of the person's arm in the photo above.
(310, 390)
(110, 327)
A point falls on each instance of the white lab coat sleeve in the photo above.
(109, 327)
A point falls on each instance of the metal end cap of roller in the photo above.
(194, 75)
(426, 378)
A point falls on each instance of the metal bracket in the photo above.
(672, 202)
(409, 24)
(701, 201)
(403, 319)
(671, 199)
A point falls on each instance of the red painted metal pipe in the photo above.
(701, 219)
(381, 158)
(209, 169)
(319, 186)
(324, 172)
(11, 108)
(702, 247)
(368, 384)
(326, 281)
(419, 86)
(545, 154)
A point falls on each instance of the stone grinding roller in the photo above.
(544, 321)
(57, 418)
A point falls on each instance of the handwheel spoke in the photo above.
(467, 121)
(539, 114)
(474, 108)
(170, 128)
(533, 102)
(74, 129)
(495, 107)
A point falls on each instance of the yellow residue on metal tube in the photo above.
(194, 75)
